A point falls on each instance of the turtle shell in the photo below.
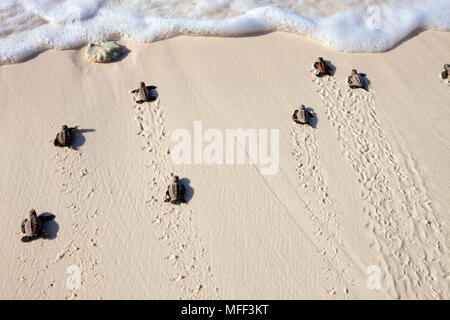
(64, 137)
(176, 191)
(302, 116)
(322, 66)
(357, 80)
(144, 94)
(32, 226)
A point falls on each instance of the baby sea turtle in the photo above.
(32, 227)
(64, 138)
(446, 71)
(302, 116)
(356, 80)
(144, 93)
(175, 192)
(322, 68)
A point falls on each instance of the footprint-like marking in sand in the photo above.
(337, 264)
(402, 221)
(177, 230)
(78, 190)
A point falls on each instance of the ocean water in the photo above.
(29, 26)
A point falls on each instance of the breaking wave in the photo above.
(30, 26)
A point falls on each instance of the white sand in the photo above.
(368, 186)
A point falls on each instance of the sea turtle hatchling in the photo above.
(302, 116)
(144, 93)
(321, 68)
(32, 227)
(175, 192)
(356, 80)
(446, 71)
(64, 137)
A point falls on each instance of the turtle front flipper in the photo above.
(22, 226)
(349, 80)
(295, 117)
(28, 238)
(56, 143)
(444, 74)
(168, 197)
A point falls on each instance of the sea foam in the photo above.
(29, 26)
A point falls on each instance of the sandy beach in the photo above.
(363, 193)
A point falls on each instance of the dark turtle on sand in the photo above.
(64, 137)
(356, 80)
(32, 227)
(302, 116)
(175, 192)
(446, 71)
(322, 68)
(144, 93)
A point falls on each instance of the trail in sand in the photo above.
(78, 188)
(402, 222)
(320, 208)
(177, 230)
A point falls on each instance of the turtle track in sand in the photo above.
(338, 265)
(407, 236)
(175, 225)
(77, 190)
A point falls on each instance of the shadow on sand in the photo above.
(189, 191)
(313, 121)
(49, 227)
(78, 138)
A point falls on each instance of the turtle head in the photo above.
(33, 213)
(303, 107)
(320, 59)
(142, 84)
(175, 179)
(65, 128)
(354, 72)
(447, 67)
